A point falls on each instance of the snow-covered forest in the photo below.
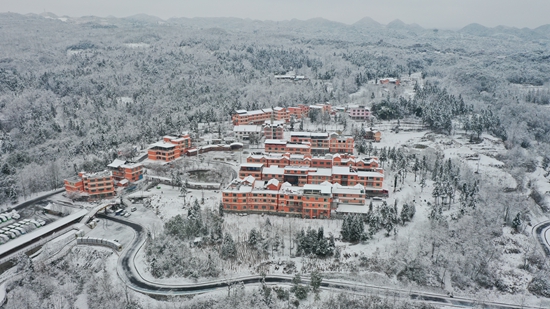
(79, 92)
(74, 93)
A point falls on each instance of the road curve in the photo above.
(539, 232)
(135, 281)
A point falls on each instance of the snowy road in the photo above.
(129, 274)
(541, 232)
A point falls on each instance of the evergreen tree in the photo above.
(194, 216)
(229, 250)
(316, 279)
(254, 237)
(346, 228)
(405, 213)
(300, 242)
(322, 249)
(310, 245)
(276, 242)
(357, 229)
(331, 245)
(516, 223)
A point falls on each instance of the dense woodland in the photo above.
(75, 94)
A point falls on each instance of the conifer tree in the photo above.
(229, 250)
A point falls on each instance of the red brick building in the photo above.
(322, 143)
(244, 117)
(170, 148)
(273, 130)
(93, 185)
(123, 170)
(306, 190)
(250, 195)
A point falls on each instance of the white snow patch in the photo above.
(137, 45)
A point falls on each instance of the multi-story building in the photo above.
(251, 169)
(341, 144)
(358, 112)
(365, 164)
(273, 172)
(296, 175)
(275, 145)
(322, 143)
(92, 185)
(273, 130)
(316, 201)
(162, 151)
(74, 185)
(299, 111)
(349, 194)
(281, 114)
(373, 135)
(275, 197)
(250, 195)
(348, 172)
(243, 132)
(170, 148)
(123, 170)
(244, 117)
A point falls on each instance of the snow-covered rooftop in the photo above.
(275, 141)
(342, 170)
(352, 208)
(131, 165)
(97, 174)
(322, 188)
(321, 172)
(116, 163)
(247, 128)
(338, 189)
(298, 145)
(252, 165)
(273, 170)
(162, 144)
(273, 181)
(256, 112)
(370, 174)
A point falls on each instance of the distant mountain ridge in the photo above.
(365, 23)
(525, 33)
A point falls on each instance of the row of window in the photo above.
(263, 207)
(100, 190)
(98, 179)
(307, 205)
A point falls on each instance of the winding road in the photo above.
(130, 275)
(541, 231)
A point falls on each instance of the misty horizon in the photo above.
(451, 15)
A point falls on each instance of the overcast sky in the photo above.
(427, 13)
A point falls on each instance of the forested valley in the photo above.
(76, 93)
